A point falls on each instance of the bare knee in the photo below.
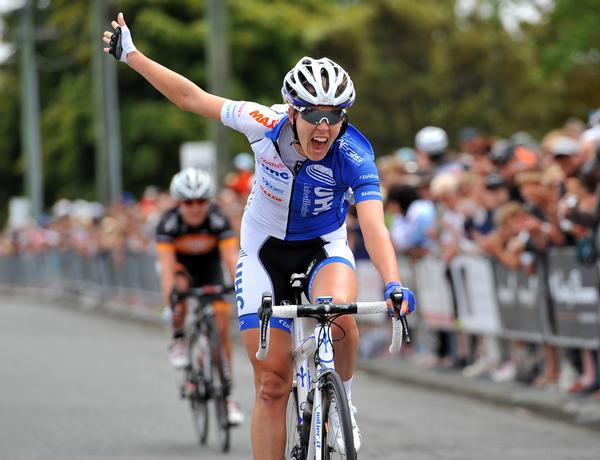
(272, 388)
(345, 328)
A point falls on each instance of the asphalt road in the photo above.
(82, 385)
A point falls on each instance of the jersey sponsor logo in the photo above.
(273, 164)
(306, 201)
(239, 300)
(368, 176)
(240, 109)
(315, 201)
(263, 119)
(323, 201)
(371, 193)
(272, 187)
(347, 150)
(228, 111)
(285, 324)
(321, 173)
(195, 243)
(269, 194)
(281, 176)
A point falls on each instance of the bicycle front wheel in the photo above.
(221, 387)
(338, 442)
(199, 396)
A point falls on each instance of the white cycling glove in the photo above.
(121, 43)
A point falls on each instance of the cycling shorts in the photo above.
(267, 263)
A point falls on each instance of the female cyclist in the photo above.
(309, 163)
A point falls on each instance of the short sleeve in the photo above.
(166, 228)
(219, 224)
(249, 118)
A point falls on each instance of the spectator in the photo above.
(241, 178)
(450, 231)
(413, 220)
(568, 155)
(431, 144)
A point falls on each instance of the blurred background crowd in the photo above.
(508, 199)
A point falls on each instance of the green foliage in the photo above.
(413, 64)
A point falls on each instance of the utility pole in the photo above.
(218, 64)
(109, 179)
(30, 112)
(97, 11)
(113, 126)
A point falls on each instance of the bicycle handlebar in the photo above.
(268, 310)
(208, 291)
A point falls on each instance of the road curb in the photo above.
(581, 411)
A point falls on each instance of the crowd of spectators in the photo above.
(509, 199)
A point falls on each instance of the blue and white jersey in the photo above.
(312, 200)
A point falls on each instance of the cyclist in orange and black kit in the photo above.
(191, 240)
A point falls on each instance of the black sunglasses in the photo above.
(195, 200)
(315, 116)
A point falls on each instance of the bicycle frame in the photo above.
(211, 374)
(320, 343)
(204, 318)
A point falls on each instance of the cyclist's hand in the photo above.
(119, 42)
(408, 298)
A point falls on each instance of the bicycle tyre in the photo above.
(335, 394)
(199, 398)
(221, 386)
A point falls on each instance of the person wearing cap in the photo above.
(431, 145)
(568, 155)
(240, 180)
(413, 220)
(507, 165)
(493, 194)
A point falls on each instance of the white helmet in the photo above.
(192, 183)
(318, 82)
(432, 140)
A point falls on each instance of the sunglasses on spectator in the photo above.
(194, 201)
(315, 117)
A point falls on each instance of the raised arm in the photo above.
(178, 89)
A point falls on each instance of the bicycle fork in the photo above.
(325, 364)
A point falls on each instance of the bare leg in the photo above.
(222, 318)
(273, 382)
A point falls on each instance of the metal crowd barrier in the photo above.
(558, 303)
(130, 277)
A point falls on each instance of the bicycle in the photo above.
(309, 431)
(207, 377)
